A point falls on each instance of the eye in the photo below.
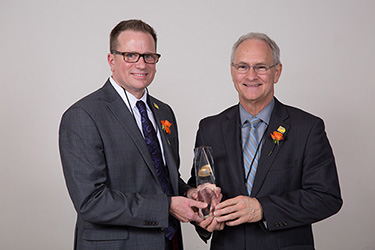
(242, 67)
(261, 67)
(131, 55)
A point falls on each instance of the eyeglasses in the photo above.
(260, 69)
(133, 57)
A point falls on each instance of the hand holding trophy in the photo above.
(205, 180)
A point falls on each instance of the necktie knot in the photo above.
(141, 106)
(254, 122)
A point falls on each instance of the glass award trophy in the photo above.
(205, 179)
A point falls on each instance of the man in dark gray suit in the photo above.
(273, 162)
(119, 151)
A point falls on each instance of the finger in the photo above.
(218, 191)
(221, 226)
(234, 222)
(198, 204)
(196, 218)
(192, 194)
(206, 222)
(225, 218)
(224, 211)
(211, 227)
(226, 203)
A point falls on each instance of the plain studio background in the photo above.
(54, 52)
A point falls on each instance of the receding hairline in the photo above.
(275, 50)
(135, 25)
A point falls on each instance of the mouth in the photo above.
(252, 85)
(140, 74)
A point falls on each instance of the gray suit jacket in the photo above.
(110, 174)
(296, 184)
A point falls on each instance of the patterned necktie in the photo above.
(161, 171)
(249, 152)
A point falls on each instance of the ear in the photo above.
(111, 61)
(278, 70)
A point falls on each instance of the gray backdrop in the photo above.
(54, 52)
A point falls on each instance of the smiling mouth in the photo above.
(251, 85)
(139, 74)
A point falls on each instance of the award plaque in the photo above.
(205, 179)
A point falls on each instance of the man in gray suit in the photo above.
(119, 152)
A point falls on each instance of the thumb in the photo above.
(198, 204)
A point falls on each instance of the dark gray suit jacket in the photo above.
(297, 184)
(110, 174)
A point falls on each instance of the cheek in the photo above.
(152, 71)
(237, 79)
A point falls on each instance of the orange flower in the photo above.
(277, 137)
(165, 124)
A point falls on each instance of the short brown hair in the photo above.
(132, 24)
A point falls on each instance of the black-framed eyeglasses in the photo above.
(260, 69)
(133, 57)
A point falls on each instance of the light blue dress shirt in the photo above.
(263, 115)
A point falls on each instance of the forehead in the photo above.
(135, 41)
(253, 51)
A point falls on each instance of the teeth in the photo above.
(139, 74)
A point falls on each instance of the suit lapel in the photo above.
(231, 131)
(119, 109)
(170, 162)
(278, 118)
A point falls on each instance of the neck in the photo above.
(254, 107)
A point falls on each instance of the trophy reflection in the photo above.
(205, 179)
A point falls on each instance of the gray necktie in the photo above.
(251, 155)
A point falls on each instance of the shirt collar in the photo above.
(264, 114)
(132, 99)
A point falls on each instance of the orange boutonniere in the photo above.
(277, 136)
(165, 124)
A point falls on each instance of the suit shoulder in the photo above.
(297, 112)
(301, 118)
(225, 114)
(93, 99)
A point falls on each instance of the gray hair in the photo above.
(259, 36)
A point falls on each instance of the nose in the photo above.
(251, 74)
(141, 63)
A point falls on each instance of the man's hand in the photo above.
(211, 224)
(238, 210)
(208, 193)
(193, 192)
(184, 209)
